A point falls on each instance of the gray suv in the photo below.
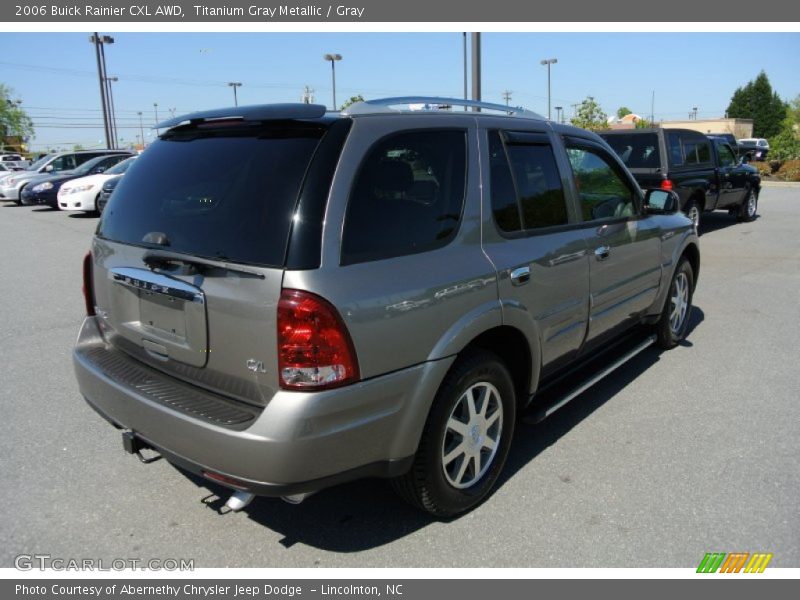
(280, 299)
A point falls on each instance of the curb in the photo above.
(781, 184)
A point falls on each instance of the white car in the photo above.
(81, 194)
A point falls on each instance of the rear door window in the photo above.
(226, 193)
(674, 145)
(407, 197)
(637, 151)
(696, 151)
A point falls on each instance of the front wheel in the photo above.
(674, 322)
(466, 438)
(749, 207)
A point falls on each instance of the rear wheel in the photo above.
(693, 211)
(18, 201)
(674, 322)
(749, 207)
(466, 438)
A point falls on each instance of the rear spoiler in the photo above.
(260, 112)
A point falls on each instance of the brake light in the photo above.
(88, 285)
(666, 184)
(314, 348)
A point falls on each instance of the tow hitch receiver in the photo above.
(134, 445)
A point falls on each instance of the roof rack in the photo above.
(431, 103)
(259, 112)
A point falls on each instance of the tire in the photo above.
(453, 472)
(97, 210)
(748, 209)
(674, 321)
(18, 201)
(694, 212)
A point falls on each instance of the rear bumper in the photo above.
(299, 442)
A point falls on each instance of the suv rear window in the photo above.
(226, 193)
(637, 151)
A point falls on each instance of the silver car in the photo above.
(280, 299)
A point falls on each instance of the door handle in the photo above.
(602, 252)
(520, 276)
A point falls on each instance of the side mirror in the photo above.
(99, 170)
(48, 169)
(661, 202)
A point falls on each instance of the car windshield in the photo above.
(637, 151)
(41, 162)
(120, 168)
(226, 193)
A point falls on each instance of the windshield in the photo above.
(637, 151)
(120, 168)
(226, 193)
(89, 165)
(41, 162)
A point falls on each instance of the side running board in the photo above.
(538, 415)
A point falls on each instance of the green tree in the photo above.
(14, 121)
(77, 147)
(590, 116)
(759, 102)
(352, 100)
(622, 111)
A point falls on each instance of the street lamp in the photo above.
(141, 127)
(558, 113)
(112, 112)
(155, 110)
(234, 85)
(548, 62)
(99, 43)
(333, 58)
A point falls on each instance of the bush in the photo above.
(785, 146)
(789, 171)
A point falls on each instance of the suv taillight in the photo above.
(666, 184)
(88, 285)
(314, 348)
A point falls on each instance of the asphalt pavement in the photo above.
(676, 454)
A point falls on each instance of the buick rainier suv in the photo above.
(280, 298)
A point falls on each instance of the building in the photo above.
(740, 128)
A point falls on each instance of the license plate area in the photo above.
(162, 314)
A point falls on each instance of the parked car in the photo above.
(728, 138)
(755, 148)
(14, 160)
(44, 190)
(11, 187)
(105, 194)
(283, 299)
(6, 169)
(83, 193)
(705, 172)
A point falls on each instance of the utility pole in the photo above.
(101, 77)
(155, 110)
(466, 96)
(141, 128)
(476, 68)
(652, 107)
(507, 96)
(308, 95)
(112, 112)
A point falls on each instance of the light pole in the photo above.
(558, 113)
(112, 112)
(141, 128)
(476, 68)
(548, 62)
(466, 97)
(234, 85)
(100, 41)
(155, 110)
(333, 58)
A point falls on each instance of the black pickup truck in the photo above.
(704, 171)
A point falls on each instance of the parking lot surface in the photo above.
(676, 454)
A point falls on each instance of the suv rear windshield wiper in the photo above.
(157, 258)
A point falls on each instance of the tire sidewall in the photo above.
(450, 499)
(668, 337)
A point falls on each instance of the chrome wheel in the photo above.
(751, 204)
(472, 435)
(694, 215)
(679, 303)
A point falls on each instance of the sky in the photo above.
(55, 74)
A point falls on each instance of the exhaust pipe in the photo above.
(296, 498)
(239, 500)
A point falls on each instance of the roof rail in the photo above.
(384, 105)
(258, 112)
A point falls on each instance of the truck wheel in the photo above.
(693, 211)
(749, 207)
(466, 438)
(671, 327)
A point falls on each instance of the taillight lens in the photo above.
(666, 184)
(314, 348)
(88, 284)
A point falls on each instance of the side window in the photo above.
(64, 163)
(674, 143)
(407, 196)
(525, 186)
(726, 158)
(82, 158)
(696, 151)
(703, 152)
(602, 191)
